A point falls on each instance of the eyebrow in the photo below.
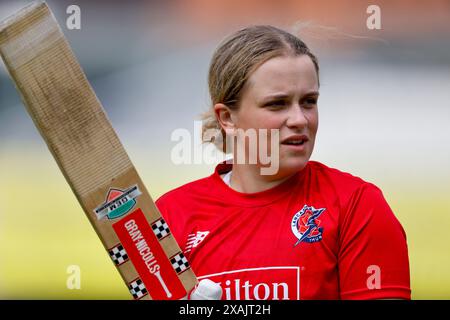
(281, 96)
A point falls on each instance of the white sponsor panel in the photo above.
(265, 283)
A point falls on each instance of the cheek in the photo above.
(259, 118)
(269, 120)
(313, 121)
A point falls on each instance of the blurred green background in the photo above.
(384, 116)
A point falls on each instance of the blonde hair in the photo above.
(233, 62)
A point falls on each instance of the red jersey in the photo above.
(321, 234)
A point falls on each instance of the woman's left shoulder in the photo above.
(342, 181)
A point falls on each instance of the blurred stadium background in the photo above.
(384, 113)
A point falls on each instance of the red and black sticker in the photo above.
(145, 252)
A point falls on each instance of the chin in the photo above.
(291, 165)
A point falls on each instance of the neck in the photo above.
(247, 178)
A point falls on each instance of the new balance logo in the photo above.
(194, 239)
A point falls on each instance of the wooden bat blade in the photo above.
(75, 127)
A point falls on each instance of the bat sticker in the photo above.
(118, 203)
(157, 273)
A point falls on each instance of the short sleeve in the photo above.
(373, 254)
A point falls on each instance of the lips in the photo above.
(295, 140)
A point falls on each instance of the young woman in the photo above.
(304, 231)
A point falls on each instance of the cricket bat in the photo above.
(73, 123)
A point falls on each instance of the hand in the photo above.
(205, 290)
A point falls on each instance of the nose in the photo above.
(296, 117)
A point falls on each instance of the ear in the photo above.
(225, 117)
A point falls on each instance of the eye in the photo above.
(276, 104)
(310, 102)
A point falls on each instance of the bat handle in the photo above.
(157, 274)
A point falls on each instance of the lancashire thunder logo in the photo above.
(306, 226)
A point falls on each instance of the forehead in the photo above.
(289, 75)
